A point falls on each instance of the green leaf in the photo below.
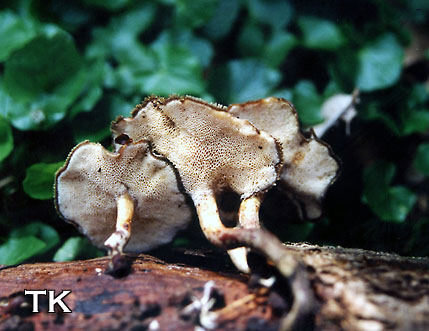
(198, 47)
(16, 250)
(14, 33)
(39, 230)
(87, 102)
(42, 79)
(414, 121)
(379, 175)
(421, 161)
(343, 69)
(331, 89)
(193, 13)
(74, 248)
(401, 109)
(243, 80)
(171, 65)
(307, 102)
(388, 203)
(6, 138)
(93, 90)
(119, 107)
(176, 71)
(42, 65)
(222, 19)
(410, 121)
(69, 250)
(276, 13)
(320, 33)
(379, 63)
(278, 47)
(251, 39)
(42, 114)
(120, 38)
(401, 202)
(39, 180)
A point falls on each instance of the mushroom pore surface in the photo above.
(92, 180)
(309, 166)
(210, 148)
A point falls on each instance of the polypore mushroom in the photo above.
(102, 193)
(212, 151)
(308, 163)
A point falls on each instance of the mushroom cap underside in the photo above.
(309, 165)
(210, 148)
(92, 179)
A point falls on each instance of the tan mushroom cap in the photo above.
(210, 148)
(309, 166)
(92, 180)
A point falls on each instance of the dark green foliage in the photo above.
(42, 79)
(307, 102)
(320, 33)
(39, 180)
(379, 63)
(67, 69)
(14, 33)
(389, 203)
(27, 241)
(40, 231)
(16, 250)
(421, 162)
(6, 139)
(242, 80)
(74, 248)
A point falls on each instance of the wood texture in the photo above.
(353, 290)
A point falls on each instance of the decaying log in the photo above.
(364, 290)
(352, 289)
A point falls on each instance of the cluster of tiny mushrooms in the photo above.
(176, 147)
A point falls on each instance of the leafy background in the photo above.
(67, 68)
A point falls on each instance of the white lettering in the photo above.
(35, 294)
(58, 300)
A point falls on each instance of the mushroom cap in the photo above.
(92, 179)
(309, 164)
(210, 148)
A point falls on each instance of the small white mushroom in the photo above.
(212, 151)
(103, 193)
(308, 164)
(339, 106)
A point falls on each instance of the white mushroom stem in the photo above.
(208, 215)
(125, 210)
(238, 256)
(248, 214)
(248, 217)
(212, 226)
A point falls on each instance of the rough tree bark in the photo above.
(351, 289)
